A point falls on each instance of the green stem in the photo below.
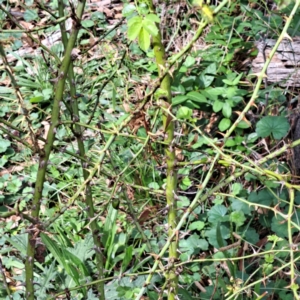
(33, 231)
(78, 132)
(171, 180)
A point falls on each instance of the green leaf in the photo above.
(153, 185)
(224, 124)
(239, 205)
(153, 18)
(14, 185)
(184, 113)
(236, 188)
(206, 79)
(280, 227)
(234, 81)
(135, 20)
(150, 27)
(127, 258)
(193, 244)
(243, 124)
(217, 106)
(36, 99)
(4, 144)
(197, 97)
(179, 99)
(71, 263)
(197, 225)
(212, 235)
(186, 181)
(87, 23)
(134, 30)
(264, 197)
(230, 92)
(128, 9)
(31, 15)
(277, 126)
(189, 61)
(238, 218)
(217, 214)
(144, 39)
(226, 110)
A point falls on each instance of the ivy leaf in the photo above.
(277, 126)
(144, 39)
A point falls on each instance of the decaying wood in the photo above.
(284, 67)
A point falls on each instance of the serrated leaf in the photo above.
(153, 18)
(150, 27)
(136, 19)
(226, 110)
(239, 205)
(217, 214)
(237, 217)
(217, 106)
(197, 97)
(264, 197)
(134, 30)
(236, 188)
(280, 227)
(144, 39)
(278, 127)
(224, 124)
(128, 9)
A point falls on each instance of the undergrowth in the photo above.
(141, 158)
